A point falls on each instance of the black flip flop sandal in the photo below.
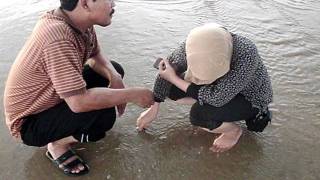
(67, 169)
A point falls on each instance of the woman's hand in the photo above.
(146, 117)
(166, 71)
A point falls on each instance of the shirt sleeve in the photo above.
(193, 91)
(242, 69)
(63, 66)
(178, 60)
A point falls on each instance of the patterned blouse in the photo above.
(247, 76)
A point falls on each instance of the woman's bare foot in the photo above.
(226, 140)
(57, 148)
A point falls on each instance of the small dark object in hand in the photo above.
(157, 62)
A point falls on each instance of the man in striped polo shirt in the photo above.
(52, 98)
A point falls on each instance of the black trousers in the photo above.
(59, 121)
(211, 117)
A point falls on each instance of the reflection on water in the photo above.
(287, 35)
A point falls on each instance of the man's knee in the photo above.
(103, 120)
(93, 79)
(106, 119)
(118, 68)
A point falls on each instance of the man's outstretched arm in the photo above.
(100, 98)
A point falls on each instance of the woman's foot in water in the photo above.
(227, 140)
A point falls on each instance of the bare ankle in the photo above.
(64, 141)
(236, 130)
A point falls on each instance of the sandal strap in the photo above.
(73, 164)
(65, 156)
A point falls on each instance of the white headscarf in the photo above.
(209, 51)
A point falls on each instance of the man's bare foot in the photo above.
(56, 150)
(226, 140)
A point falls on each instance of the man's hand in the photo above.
(116, 82)
(142, 97)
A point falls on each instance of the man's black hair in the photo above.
(68, 5)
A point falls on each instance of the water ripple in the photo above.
(297, 4)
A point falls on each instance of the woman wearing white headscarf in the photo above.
(222, 75)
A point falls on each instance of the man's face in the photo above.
(101, 11)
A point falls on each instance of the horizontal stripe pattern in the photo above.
(47, 69)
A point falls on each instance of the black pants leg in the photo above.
(97, 129)
(211, 117)
(59, 121)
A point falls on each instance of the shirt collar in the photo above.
(62, 14)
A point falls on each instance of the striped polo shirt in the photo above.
(48, 68)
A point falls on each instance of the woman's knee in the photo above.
(208, 124)
(199, 116)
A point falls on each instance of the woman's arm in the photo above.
(162, 87)
(167, 72)
(177, 58)
(146, 117)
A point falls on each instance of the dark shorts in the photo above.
(59, 121)
(211, 117)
